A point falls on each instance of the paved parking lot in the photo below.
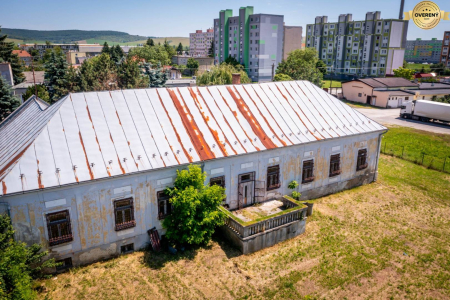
(391, 116)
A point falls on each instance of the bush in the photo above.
(195, 208)
(19, 264)
(222, 74)
(282, 77)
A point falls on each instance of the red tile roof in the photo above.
(21, 53)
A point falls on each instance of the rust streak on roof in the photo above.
(176, 132)
(19, 155)
(118, 118)
(195, 134)
(41, 186)
(85, 155)
(5, 189)
(120, 165)
(245, 111)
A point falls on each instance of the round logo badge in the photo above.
(426, 14)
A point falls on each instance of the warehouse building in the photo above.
(85, 177)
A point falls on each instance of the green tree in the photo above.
(211, 49)
(231, 61)
(116, 53)
(19, 264)
(8, 102)
(282, 77)
(405, 73)
(152, 55)
(98, 74)
(129, 75)
(150, 42)
(301, 65)
(72, 80)
(438, 68)
(192, 65)
(157, 76)
(180, 49)
(42, 92)
(222, 74)
(55, 76)
(105, 48)
(321, 66)
(195, 208)
(6, 55)
(169, 49)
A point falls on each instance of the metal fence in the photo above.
(417, 156)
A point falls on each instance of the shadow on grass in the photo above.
(227, 247)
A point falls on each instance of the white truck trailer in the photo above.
(426, 111)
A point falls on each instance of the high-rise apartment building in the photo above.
(420, 51)
(371, 47)
(445, 53)
(200, 42)
(254, 40)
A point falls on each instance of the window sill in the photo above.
(126, 225)
(273, 187)
(362, 167)
(308, 180)
(336, 173)
(60, 240)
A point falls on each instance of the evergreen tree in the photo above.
(8, 102)
(129, 75)
(180, 49)
(6, 55)
(157, 77)
(117, 53)
(211, 49)
(105, 48)
(55, 76)
(150, 42)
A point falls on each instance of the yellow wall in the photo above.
(352, 90)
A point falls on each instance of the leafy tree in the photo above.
(8, 102)
(55, 76)
(422, 70)
(6, 55)
(152, 55)
(445, 99)
(157, 77)
(105, 48)
(301, 65)
(129, 75)
(98, 74)
(150, 42)
(282, 77)
(405, 73)
(180, 48)
(231, 61)
(19, 264)
(195, 208)
(72, 80)
(42, 92)
(222, 74)
(438, 68)
(170, 50)
(321, 66)
(192, 65)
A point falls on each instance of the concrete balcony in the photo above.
(264, 224)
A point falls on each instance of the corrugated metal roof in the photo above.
(87, 136)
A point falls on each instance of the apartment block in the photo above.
(255, 40)
(445, 53)
(420, 51)
(370, 47)
(292, 39)
(200, 42)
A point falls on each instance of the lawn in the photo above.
(415, 144)
(388, 239)
(418, 67)
(335, 84)
(358, 104)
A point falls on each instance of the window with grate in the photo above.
(361, 162)
(164, 206)
(220, 181)
(335, 165)
(127, 248)
(124, 214)
(59, 229)
(273, 177)
(308, 171)
(64, 264)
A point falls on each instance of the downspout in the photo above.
(375, 176)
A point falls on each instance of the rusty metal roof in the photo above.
(87, 136)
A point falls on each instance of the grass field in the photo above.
(386, 240)
(418, 67)
(358, 105)
(336, 84)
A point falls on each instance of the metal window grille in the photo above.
(64, 264)
(124, 214)
(273, 177)
(59, 229)
(308, 171)
(361, 162)
(335, 165)
(164, 206)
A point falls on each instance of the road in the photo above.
(391, 116)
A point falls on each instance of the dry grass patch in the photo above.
(389, 239)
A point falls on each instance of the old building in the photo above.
(85, 176)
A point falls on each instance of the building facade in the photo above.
(445, 53)
(371, 47)
(24, 57)
(200, 42)
(421, 51)
(86, 176)
(292, 39)
(254, 40)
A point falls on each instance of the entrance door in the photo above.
(368, 99)
(246, 189)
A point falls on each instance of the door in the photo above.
(368, 99)
(246, 189)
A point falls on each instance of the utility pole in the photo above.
(34, 78)
(402, 4)
(273, 71)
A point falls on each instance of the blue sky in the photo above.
(180, 17)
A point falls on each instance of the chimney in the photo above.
(236, 78)
(402, 5)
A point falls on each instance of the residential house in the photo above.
(24, 57)
(85, 177)
(30, 79)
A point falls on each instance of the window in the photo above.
(359, 94)
(361, 162)
(164, 206)
(273, 177)
(59, 229)
(335, 165)
(220, 181)
(127, 248)
(308, 171)
(65, 264)
(124, 214)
